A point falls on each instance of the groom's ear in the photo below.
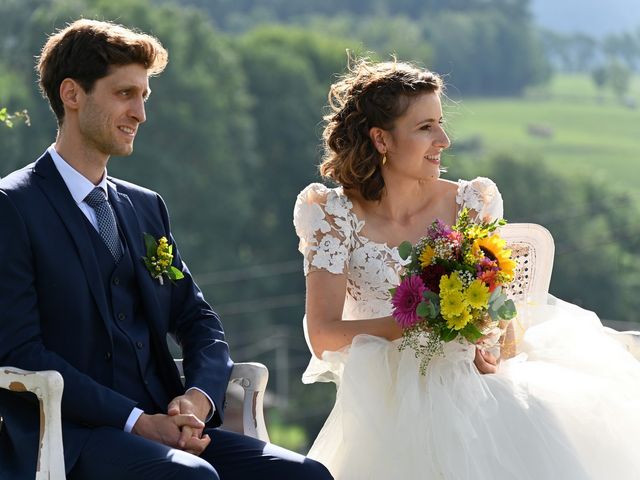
(70, 93)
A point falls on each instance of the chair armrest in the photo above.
(47, 386)
(630, 339)
(253, 378)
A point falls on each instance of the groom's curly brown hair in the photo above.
(86, 50)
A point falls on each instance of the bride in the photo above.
(566, 407)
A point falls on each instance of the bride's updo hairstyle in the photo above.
(369, 95)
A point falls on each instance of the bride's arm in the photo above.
(327, 331)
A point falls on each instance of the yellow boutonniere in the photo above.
(159, 258)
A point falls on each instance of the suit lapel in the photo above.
(54, 188)
(133, 233)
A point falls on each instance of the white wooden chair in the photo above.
(533, 249)
(48, 387)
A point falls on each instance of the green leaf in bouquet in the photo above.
(497, 301)
(150, 245)
(426, 310)
(508, 310)
(495, 293)
(392, 291)
(423, 309)
(404, 250)
(471, 333)
(431, 296)
(434, 303)
(448, 334)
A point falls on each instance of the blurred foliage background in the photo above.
(234, 125)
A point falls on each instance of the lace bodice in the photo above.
(330, 239)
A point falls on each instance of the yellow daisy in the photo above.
(458, 322)
(478, 294)
(426, 257)
(450, 282)
(452, 302)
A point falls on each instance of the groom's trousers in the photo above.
(114, 454)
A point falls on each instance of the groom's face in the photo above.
(109, 115)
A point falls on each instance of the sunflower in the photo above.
(495, 248)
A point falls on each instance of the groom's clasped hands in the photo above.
(182, 426)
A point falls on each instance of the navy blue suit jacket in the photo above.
(54, 312)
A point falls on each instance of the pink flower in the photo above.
(438, 229)
(455, 237)
(406, 299)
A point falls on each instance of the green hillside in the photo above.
(588, 132)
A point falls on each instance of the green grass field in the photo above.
(589, 132)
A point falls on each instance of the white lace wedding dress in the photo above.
(567, 407)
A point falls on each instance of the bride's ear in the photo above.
(378, 138)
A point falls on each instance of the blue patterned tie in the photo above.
(106, 221)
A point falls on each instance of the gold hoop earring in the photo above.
(384, 159)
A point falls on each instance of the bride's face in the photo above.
(417, 139)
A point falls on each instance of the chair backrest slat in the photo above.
(533, 250)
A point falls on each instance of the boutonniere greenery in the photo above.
(159, 258)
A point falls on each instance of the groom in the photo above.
(76, 296)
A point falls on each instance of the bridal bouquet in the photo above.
(452, 286)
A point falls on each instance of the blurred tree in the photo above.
(20, 43)
(584, 51)
(385, 35)
(599, 76)
(228, 13)
(618, 78)
(486, 46)
(287, 70)
(462, 42)
(574, 52)
(624, 47)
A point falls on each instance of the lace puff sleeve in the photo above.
(482, 196)
(322, 220)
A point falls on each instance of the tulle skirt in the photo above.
(567, 407)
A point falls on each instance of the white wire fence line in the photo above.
(249, 273)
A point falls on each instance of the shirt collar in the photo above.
(79, 186)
